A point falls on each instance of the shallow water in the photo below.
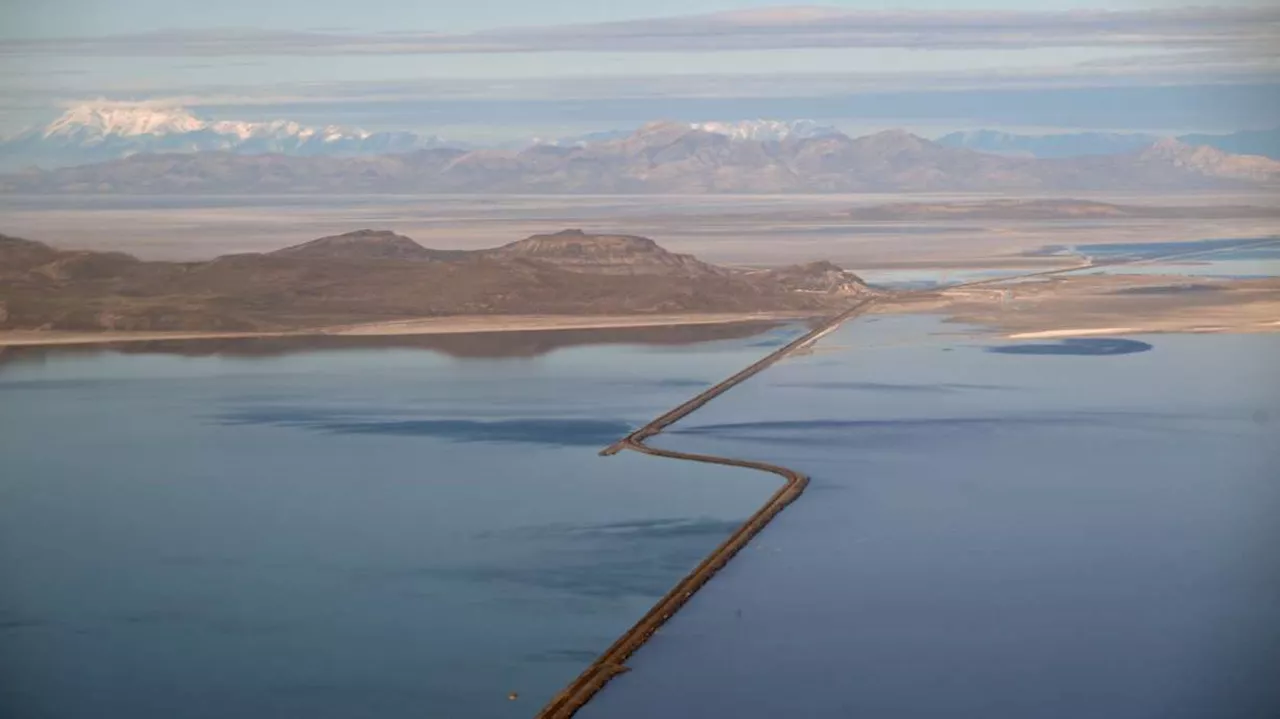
(339, 533)
(1236, 258)
(990, 535)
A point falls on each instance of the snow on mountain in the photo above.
(100, 120)
(95, 132)
(767, 130)
(758, 130)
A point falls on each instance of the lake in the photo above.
(1052, 529)
(343, 532)
(1081, 528)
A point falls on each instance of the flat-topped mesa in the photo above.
(578, 251)
(364, 245)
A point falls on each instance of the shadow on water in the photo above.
(548, 431)
(1075, 346)
(626, 559)
(514, 343)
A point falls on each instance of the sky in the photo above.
(503, 69)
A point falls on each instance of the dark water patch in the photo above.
(609, 573)
(534, 430)
(1169, 289)
(779, 337)
(1078, 346)
(626, 558)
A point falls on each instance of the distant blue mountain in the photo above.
(1246, 142)
(1078, 144)
(1073, 144)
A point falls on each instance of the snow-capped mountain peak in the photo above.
(101, 119)
(766, 130)
(98, 131)
(134, 120)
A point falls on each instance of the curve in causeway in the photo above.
(611, 662)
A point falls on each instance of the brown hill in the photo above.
(365, 245)
(374, 276)
(606, 254)
(665, 158)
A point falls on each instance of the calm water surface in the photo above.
(1084, 530)
(1240, 258)
(348, 533)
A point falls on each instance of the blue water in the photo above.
(1236, 258)
(1075, 346)
(339, 533)
(990, 535)
(1239, 248)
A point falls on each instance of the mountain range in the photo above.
(665, 157)
(378, 275)
(1265, 143)
(98, 132)
(103, 131)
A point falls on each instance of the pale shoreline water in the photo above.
(424, 326)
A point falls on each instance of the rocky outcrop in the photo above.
(578, 251)
(364, 245)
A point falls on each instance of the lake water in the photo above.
(1082, 529)
(1239, 258)
(344, 533)
(1050, 529)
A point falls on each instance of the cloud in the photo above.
(1194, 68)
(1253, 28)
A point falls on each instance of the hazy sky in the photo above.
(477, 69)
(56, 18)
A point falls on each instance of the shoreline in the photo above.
(459, 324)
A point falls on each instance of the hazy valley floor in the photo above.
(752, 230)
